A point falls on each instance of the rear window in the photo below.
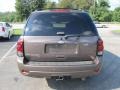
(49, 24)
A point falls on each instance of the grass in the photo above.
(117, 24)
(17, 32)
(116, 31)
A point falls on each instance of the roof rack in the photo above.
(61, 8)
(54, 8)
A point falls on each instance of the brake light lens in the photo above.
(100, 47)
(20, 47)
(3, 29)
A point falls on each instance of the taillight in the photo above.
(100, 47)
(3, 29)
(20, 47)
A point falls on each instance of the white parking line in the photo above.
(6, 54)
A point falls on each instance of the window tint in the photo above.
(7, 25)
(49, 24)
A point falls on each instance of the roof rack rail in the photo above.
(54, 8)
(61, 8)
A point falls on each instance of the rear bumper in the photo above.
(49, 69)
(4, 35)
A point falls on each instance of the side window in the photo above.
(7, 25)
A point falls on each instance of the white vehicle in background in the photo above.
(99, 25)
(6, 30)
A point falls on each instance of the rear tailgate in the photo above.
(51, 48)
(45, 32)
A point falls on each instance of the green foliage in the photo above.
(25, 7)
(117, 32)
(50, 4)
(116, 15)
(36, 4)
(83, 4)
(100, 12)
(8, 17)
(17, 32)
(76, 4)
(66, 4)
(103, 3)
(20, 9)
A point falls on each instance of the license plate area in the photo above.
(61, 48)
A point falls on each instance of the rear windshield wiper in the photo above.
(72, 35)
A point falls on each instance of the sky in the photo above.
(9, 5)
(114, 4)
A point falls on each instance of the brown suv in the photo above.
(59, 43)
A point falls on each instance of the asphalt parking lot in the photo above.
(6, 44)
(109, 78)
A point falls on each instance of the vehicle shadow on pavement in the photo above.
(108, 79)
(13, 39)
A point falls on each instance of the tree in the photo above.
(83, 4)
(8, 17)
(76, 4)
(100, 12)
(19, 9)
(103, 15)
(116, 15)
(25, 7)
(65, 3)
(103, 3)
(50, 4)
(37, 4)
